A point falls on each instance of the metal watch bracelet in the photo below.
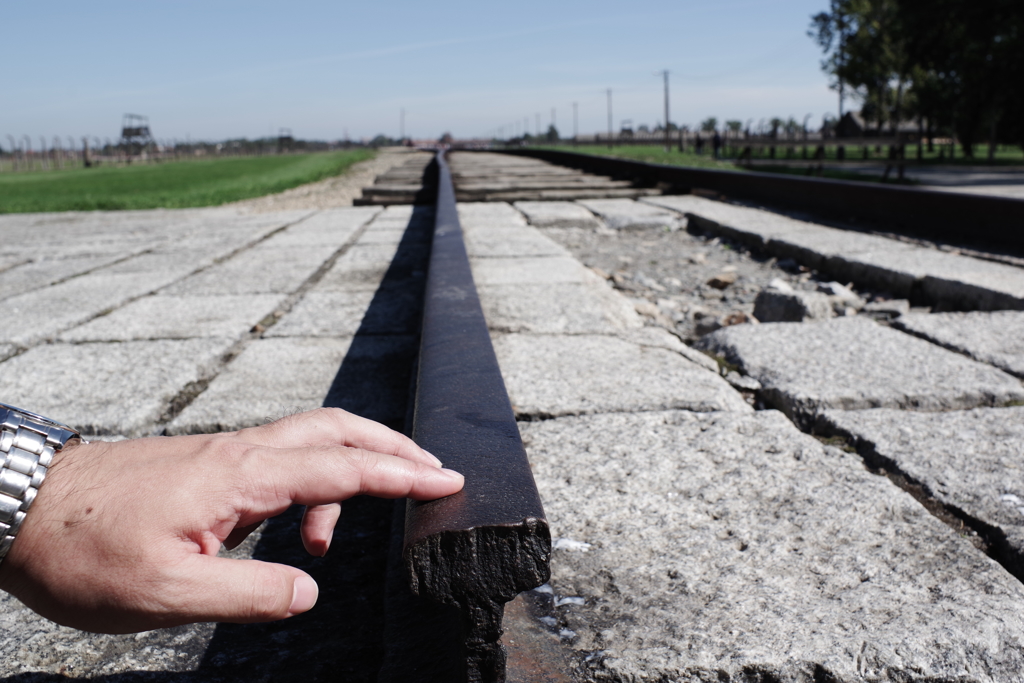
(27, 445)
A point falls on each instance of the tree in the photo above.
(709, 125)
(734, 126)
(552, 134)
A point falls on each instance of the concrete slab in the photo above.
(708, 547)
(567, 308)
(557, 215)
(54, 309)
(259, 270)
(550, 376)
(488, 214)
(511, 241)
(277, 377)
(627, 214)
(171, 317)
(948, 280)
(7, 350)
(993, 337)
(326, 228)
(511, 271)
(43, 272)
(363, 266)
(971, 461)
(109, 388)
(342, 314)
(854, 364)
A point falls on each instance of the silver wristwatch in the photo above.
(27, 444)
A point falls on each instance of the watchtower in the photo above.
(135, 135)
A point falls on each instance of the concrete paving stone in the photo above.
(659, 337)
(46, 312)
(171, 317)
(566, 308)
(970, 460)
(259, 270)
(7, 350)
(326, 228)
(108, 388)
(512, 241)
(277, 377)
(488, 214)
(557, 215)
(993, 337)
(709, 547)
(363, 266)
(855, 364)
(557, 375)
(342, 314)
(510, 271)
(627, 214)
(43, 272)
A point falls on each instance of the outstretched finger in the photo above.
(277, 478)
(336, 427)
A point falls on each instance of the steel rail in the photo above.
(478, 549)
(954, 217)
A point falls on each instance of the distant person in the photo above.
(698, 144)
(124, 536)
(716, 144)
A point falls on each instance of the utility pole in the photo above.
(668, 136)
(610, 118)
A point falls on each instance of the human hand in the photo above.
(124, 536)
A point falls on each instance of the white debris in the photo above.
(550, 622)
(566, 634)
(570, 601)
(1010, 499)
(544, 588)
(570, 545)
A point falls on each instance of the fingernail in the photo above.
(434, 458)
(451, 474)
(304, 595)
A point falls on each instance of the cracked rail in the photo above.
(480, 548)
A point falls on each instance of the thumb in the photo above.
(245, 591)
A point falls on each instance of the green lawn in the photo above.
(178, 184)
(653, 155)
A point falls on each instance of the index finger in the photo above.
(336, 427)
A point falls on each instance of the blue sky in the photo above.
(217, 69)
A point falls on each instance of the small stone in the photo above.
(723, 279)
(698, 259)
(780, 285)
(742, 382)
(600, 273)
(773, 306)
(735, 318)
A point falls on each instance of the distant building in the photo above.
(853, 125)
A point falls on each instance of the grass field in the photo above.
(179, 184)
(653, 155)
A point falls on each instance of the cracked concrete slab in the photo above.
(570, 375)
(628, 214)
(971, 461)
(557, 215)
(172, 317)
(993, 337)
(109, 388)
(326, 228)
(710, 547)
(854, 364)
(906, 270)
(272, 378)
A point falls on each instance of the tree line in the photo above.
(954, 66)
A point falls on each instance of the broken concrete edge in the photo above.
(469, 569)
(994, 541)
(919, 289)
